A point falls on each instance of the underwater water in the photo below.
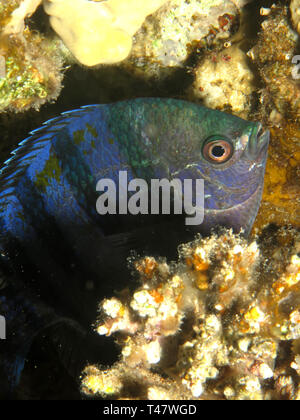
(247, 73)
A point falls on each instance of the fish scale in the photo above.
(53, 240)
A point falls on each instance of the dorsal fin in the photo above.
(29, 148)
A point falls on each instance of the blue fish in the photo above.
(60, 256)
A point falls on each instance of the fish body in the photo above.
(49, 224)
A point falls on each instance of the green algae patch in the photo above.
(78, 136)
(51, 171)
(92, 130)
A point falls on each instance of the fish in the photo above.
(60, 257)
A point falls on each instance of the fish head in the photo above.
(231, 155)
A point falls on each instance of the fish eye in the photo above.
(217, 150)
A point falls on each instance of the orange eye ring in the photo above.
(218, 151)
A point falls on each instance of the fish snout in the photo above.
(258, 143)
(263, 138)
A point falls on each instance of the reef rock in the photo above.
(30, 64)
(279, 109)
(273, 55)
(168, 36)
(224, 81)
(280, 203)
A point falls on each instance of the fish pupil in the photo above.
(218, 151)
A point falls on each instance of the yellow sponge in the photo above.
(99, 31)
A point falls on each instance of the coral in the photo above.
(222, 323)
(168, 36)
(31, 71)
(98, 32)
(295, 13)
(223, 80)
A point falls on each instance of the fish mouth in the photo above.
(258, 143)
(238, 217)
